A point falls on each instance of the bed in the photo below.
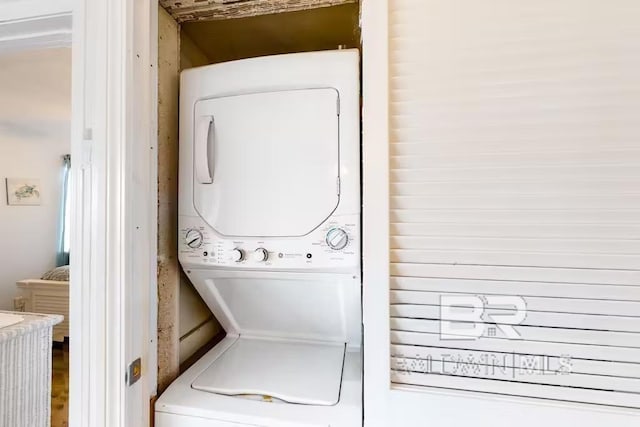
(48, 295)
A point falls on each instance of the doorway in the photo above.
(112, 199)
(35, 163)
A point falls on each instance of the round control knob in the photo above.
(193, 238)
(337, 239)
(237, 255)
(260, 255)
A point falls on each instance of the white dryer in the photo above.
(269, 223)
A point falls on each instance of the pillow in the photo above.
(58, 273)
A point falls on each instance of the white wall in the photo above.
(27, 9)
(34, 135)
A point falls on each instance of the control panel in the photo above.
(336, 244)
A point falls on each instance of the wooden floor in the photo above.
(60, 386)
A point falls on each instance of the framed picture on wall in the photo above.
(23, 191)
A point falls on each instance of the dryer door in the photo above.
(267, 164)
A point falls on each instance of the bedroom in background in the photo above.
(35, 117)
(112, 142)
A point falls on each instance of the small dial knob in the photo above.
(237, 255)
(193, 238)
(337, 239)
(260, 255)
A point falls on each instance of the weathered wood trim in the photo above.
(209, 10)
(168, 266)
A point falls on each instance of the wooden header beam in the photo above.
(209, 10)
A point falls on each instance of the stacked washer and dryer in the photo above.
(269, 223)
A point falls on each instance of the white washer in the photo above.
(269, 222)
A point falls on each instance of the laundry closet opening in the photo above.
(192, 35)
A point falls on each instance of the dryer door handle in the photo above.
(202, 149)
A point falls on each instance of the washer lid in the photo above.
(267, 164)
(296, 372)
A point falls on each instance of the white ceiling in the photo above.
(35, 94)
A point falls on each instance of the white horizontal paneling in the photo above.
(623, 247)
(520, 217)
(506, 230)
(516, 388)
(534, 304)
(545, 348)
(513, 258)
(515, 171)
(502, 360)
(551, 158)
(516, 201)
(524, 374)
(527, 333)
(593, 276)
(533, 318)
(52, 302)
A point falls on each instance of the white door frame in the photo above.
(114, 143)
(375, 219)
(113, 301)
